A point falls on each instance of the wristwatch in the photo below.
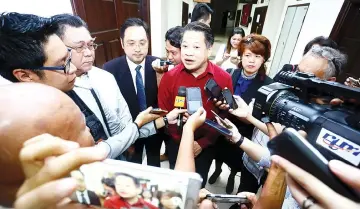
(166, 122)
(241, 140)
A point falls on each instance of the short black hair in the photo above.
(136, 181)
(134, 22)
(173, 35)
(63, 20)
(108, 182)
(22, 40)
(201, 11)
(322, 41)
(201, 27)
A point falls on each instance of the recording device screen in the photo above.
(117, 184)
(193, 98)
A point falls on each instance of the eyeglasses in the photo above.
(81, 49)
(65, 68)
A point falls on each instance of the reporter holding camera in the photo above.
(254, 51)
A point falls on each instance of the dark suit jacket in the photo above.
(251, 92)
(94, 199)
(121, 71)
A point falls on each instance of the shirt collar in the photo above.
(132, 65)
(209, 69)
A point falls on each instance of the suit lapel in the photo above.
(149, 80)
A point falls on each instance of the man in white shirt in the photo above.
(98, 89)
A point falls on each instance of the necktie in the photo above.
(83, 200)
(140, 89)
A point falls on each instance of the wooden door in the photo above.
(258, 20)
(185, 14)
(104, 18)
(346, 32)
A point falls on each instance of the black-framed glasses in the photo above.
(65, 68)
(81, 49)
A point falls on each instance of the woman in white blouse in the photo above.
(227, 55)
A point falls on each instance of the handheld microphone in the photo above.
(180, 103)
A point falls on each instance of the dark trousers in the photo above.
(152, 146)
(202, 161)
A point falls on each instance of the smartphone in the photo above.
(193, 99)
(213, 90)
(295, 148)
(105, 183)
(158, 111)
(224, 131)
(226, 124)
(165, 62)
(229, 98)
(223, 198)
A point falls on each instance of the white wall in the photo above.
(164, 14)
(45, 8)
(272, 21)
(319, 21)
(158, 23)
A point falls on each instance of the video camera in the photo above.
(334, 131)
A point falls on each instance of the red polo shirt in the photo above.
(116, 202)
(179, 76)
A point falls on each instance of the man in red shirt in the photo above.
(194, 71)
(128, 190)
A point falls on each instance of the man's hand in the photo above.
(159, 69)
(196, 120)
(197, 149)
(352, 82)
(251, 197)
(203, 202)
(303, 185)
(172, 116)
(243, 110)
(46, 160)
(145, 117)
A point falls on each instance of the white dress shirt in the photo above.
(86, 196)
(4, 81)
(124, 131)
(132, 67)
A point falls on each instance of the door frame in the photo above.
(335, 32)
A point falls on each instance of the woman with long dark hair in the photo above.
(227, 55)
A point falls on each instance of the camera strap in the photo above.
(101, 110)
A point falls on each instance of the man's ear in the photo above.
(332, 79)
(25, 75)
(209, 51)
(122, 43)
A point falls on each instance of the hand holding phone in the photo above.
(223, 122)
(158, 111)
(224, 131)
(223, 198)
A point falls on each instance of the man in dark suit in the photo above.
(82, 195)
(137, 82)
